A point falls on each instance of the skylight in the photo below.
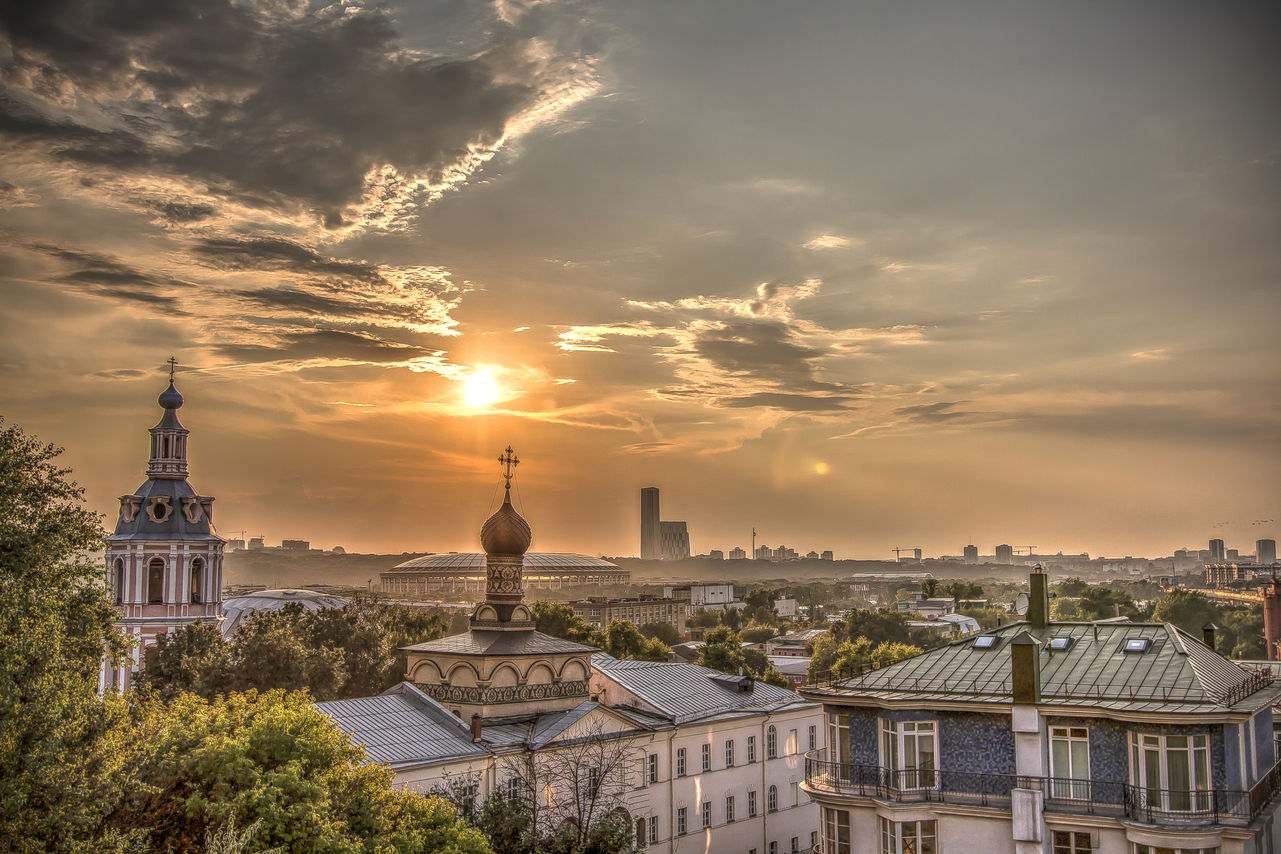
(1138, 644)
(1061, 642)
(984, 642)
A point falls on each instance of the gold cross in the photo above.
(509, 462)
(172, 363)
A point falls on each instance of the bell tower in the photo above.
(164, 559)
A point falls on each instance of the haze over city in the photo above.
(858, 276)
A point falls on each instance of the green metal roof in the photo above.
(1175, 674)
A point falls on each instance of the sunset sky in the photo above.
(861, 275)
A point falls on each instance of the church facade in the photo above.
(164, 558)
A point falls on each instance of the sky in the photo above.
(861, 275)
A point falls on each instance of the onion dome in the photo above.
(506, 532)
(170, 398)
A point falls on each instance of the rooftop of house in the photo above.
(403, 727)
(685, 693)
(486, 642)
(1115, 666)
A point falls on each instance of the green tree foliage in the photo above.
(1239, 630)
(722, 650)
(761, 598)
(757, 633)
(1073, 587)
(624, 640)
(1241, 634)
(989, 618)
(703, 619)
(930, 588)
(876, 626)
(857, 656)
(60, 749)
(1188, 610)
(964, 590)
(559, 620)
(1099, 603)
(665, 632)
(273, 762)
(732, 618)
(822, 654)
(334, 653)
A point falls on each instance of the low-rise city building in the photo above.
(600, 611)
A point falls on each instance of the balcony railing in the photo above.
(1170, 807)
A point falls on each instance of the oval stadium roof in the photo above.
(476, 561)
(237, 608)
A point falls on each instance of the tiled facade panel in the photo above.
(1264, 746)
(976, 742)
(863, 750)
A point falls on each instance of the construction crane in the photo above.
(1031, 550)
(898, 551)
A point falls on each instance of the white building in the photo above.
(164, 558)
(698, 760)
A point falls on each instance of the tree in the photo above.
(194, 659)
(272, 761)
(624, 640)
(964, 590)
(1188, 610)
(665, 632)
(559, 620)
(732, 618)
(756, 633)
(60, 749)
(1073, 587)
(877, 626)
(1100, 603)
(860, 655)
(822, 656)
(703, 619)
(722, 650)
(930, 588)
(988, 618)
(761, 598)
(1242, 633)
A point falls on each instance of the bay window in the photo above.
(1172, 772)
(909, 837)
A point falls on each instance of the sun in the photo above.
(480, 390)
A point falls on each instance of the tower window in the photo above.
(197, 574)
(120, 581)
(156, 582)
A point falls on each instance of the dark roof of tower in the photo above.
(171, 401)
(176, 527)
(485, 642)
(506, 532)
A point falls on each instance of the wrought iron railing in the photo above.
(1171, 807)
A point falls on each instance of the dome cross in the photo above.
(508, 461)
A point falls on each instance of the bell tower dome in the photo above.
(164, 558)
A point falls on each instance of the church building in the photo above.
(164, 559)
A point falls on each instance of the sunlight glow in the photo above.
(480, 390)
(822, 468)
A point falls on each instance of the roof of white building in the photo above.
(403, 727)
(684, 693)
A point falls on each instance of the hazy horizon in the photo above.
(858, 275)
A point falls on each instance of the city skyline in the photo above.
(861, 278)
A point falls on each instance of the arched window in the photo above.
(156, 582)
(771, 742)
(120, 581)
(197, 573)
(771, 799)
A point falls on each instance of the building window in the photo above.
(120, 581)
(813, 737)
(909, 837)
(653, 829)
(640, 833)
(792, 742)
(653, 767)
(707, 813)
(751, 749)
(751, 803)
(682, 819)
(729, 754)
(729, 809)
(156, 582)
(197, 575)
(1171, 771)
(796, 845)
(513, 788)
(908, 750)
(813, 839)
(771, 742)
(1153, 849)
(680, 762)
(773, 848)
(771, 799)
(707, 757)
(838, 738)
(1073, 842)
(593, 781)
(1070, 763)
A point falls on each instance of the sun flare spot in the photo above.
(480, 390)
(821, 467)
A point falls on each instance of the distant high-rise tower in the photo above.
(971, 554)
(1217, 552)
(651, 533)
(1265, 552)
(1004, 553)
(164, 560)
(673, 540)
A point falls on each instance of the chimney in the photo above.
(1025, 668)
(1038, 606)
(475, 727)
(1207, 634)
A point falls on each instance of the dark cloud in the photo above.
(182, 212)
(328, 344)
(291, 106)
(929, 413)
(790, 402)
(109, 278)
(759, 349)
(279, 254)
(120, 374)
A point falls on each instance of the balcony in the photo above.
(1162, 807)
